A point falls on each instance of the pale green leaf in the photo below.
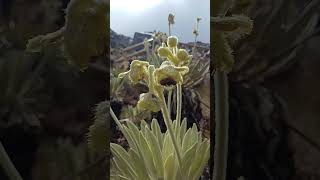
(169, 166)
(123, 157)
(157, 132)
(156, 151)
(147, 155)
(198, 159)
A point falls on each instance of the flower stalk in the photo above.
(222, 125)
(223, 62)
(166, 114)
(168, 122)
(169, 101)
(179, 103)
(170, 22)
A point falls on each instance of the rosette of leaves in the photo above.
(151, 154)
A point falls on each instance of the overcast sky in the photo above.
(129, 16)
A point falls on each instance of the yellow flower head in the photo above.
(169, 75)
(172, 41)
(138, 71)
(165, 52)
(179, 58)
(148, 101)
(183, 56)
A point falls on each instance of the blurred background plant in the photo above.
(43, 97)
(223, 62)
(271, 122)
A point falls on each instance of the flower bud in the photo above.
(164, 52)
(172, 41)
(138, 71)
(183, 57)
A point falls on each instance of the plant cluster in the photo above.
(153, 154)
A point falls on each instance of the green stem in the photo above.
(116, 120)
(168, 123)
(179, 103)
(8, 166)
(169, 101)
(222, 125)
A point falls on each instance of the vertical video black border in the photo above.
(108, 90)
(212, 142)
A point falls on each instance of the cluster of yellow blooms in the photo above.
(169, 74)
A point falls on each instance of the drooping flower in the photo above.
(184, 57)
(169, 74)
(138, 71)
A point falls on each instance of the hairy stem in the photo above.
(169, 101)
(8, 166)
(222, 125)
(168, 123)
(116, 120)
(179, 103)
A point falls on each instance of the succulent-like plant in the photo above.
(152, 156)
(176, 154)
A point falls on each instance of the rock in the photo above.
(140, 37)
(119, 40)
